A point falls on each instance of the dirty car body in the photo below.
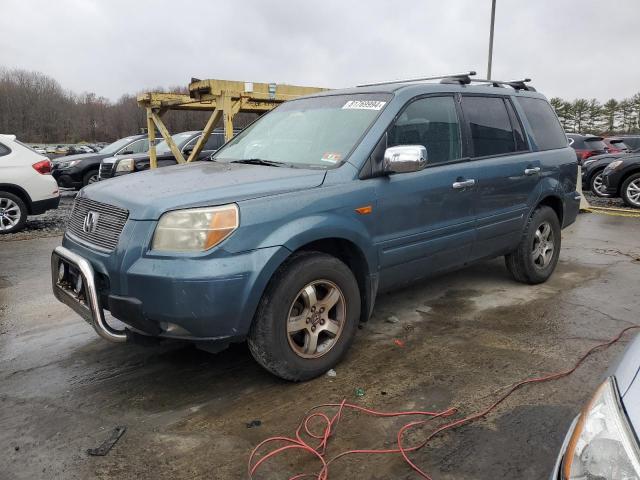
(368, 189)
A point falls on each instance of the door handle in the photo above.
(532, 171)
(464, 184)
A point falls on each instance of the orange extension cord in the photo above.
(319, 451)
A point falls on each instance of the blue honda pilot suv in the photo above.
(287, 235)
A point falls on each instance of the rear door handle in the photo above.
(464, 184)
(532, 171)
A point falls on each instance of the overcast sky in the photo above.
(570, 48)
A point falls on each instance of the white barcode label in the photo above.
(363, 105)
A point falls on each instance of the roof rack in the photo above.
(461, 79)
(458, 77)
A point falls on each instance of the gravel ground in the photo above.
(604, 202)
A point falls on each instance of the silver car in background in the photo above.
(602, 442)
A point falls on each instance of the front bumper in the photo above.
(67, 178)
(208, 297)
(612, 183)
(85, 300)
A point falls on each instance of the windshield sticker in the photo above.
(364, 105)
(331, 157)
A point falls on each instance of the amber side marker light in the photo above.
(366, 210)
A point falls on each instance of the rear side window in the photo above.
(4, 150)
(545, 127)
(431, 122)
(490, 125)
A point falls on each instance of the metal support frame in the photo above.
(223, 98)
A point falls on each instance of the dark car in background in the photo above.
(622, 179)
(616, 145)
(77, 171)
(185, 141)
(592, 172)
(602, 442)
(632, 141)
(586, 146)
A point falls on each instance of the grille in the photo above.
(106, 169)
(108, 226)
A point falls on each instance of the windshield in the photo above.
(619, 144)
(180, 139)
(318, 132)
(117, 145)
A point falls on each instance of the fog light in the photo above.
(61, 272)
(78, 285)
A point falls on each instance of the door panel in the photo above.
(506, 173)
(424, 224)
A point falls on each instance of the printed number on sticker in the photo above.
(363, 105)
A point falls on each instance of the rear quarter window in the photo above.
(545, 127)
(4, 150)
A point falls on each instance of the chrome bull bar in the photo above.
(84, 300)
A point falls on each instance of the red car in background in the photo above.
(616, 145)
(586, 146)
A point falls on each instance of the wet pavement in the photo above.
(464, 337)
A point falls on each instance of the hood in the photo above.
(149, 194)
(79, 156)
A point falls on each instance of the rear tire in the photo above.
(536, 256)
(597, 186)
(13, 213)
(631, 191)
(90, 177)
(307, 317)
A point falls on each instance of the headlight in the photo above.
(125, 165)
(614, 165)
(68, 164)
(602, 445)
(195, 229)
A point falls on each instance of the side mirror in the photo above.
(404, 159)
(126, 152)
(188, 150)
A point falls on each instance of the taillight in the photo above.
(587, 153)
(43, 167)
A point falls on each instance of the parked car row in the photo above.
(610, 167)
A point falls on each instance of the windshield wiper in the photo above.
(259, 161)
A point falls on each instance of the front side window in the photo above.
(490, 126)
(316, 132)
(215, 141)
(545, 127)
(431, 122)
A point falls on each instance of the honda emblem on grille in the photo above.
(90, 222)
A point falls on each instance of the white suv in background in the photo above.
(26, 184)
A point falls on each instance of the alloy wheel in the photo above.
(598, 186)
(9, 214)
(316, 319)
(633, 192)
(543, 246)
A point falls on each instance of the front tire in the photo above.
(536, 256)
(307, 317)
(631, 191)
(13, 213)
(90, 177)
